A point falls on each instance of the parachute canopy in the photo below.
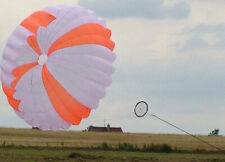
(56, 66)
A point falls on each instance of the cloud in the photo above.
(195, 42)
(205, 36)
(188, 82)
(221, 43)
(209, 1)
(218, 30)
(208, 28)
(150, 9)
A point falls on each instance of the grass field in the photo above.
(35, 145)
(28, 154)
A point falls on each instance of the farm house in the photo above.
(104, 129)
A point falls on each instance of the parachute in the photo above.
(56, 66)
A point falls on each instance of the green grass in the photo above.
(31, 154)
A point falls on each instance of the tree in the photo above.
(215, 132)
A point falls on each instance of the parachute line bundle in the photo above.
(56, 66)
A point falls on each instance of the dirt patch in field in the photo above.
(75, 155)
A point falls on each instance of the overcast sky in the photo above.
(169, 53)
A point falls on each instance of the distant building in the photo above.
(104, 129)
(35, 128)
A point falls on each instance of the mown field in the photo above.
(36, 145)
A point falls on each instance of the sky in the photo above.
(169, 53)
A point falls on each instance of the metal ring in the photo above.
(136, 108)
